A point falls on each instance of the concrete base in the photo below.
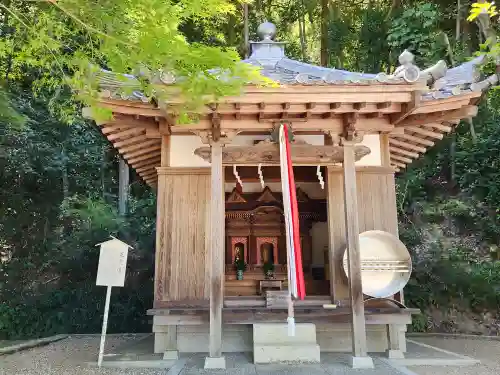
(395, 354)
(171, 355)
(361, 362)
(215, 363)
(273, 345)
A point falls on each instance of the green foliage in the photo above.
(445, 277)
(417, 29)
(52, 290)
(58, 193)
(8, 115)
(66, 42)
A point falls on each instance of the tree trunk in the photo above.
(302, 32)
(123, 186)
(325, 17)
(246, 31)
(103, 172)
(64, 172)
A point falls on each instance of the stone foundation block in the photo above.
(215, 363)
(273, 345)
(361, 362)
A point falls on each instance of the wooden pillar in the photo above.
(161, 214)
(386, 162)
(395, 342)
(385, 154)
(359, 349)
(217, 222)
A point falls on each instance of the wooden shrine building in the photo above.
(352, 133)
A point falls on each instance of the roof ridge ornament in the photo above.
(266, 31)
(267, 52)
(407, 70)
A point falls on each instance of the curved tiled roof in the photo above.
(443, 97)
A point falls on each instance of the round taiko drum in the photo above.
(385, 264)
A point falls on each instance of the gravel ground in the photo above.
(487, 351)
(66, 357)
(70, 357)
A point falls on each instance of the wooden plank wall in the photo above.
(377, 210)
(183, 235)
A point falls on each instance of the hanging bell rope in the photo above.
(296, 286)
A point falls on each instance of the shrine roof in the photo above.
(270, 57)
(415, 107)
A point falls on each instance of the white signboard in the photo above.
(112, 263)
(110, 272)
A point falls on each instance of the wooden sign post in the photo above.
(110, 273)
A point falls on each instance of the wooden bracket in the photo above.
(237, 107)
(350, 132)
(164, 126)
(285, 107)
(383, 105)
(276, 129)
(407, 108)
(225, 137)
(205, 136)
(216, 133)
(334, 137)
(358, 106)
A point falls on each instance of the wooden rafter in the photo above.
(145, 150)
(457, 114)
(411, 125)
(424, 132)
(416, 139)
(404, 152)
(139, 146)
(443, 128)
(131, 140)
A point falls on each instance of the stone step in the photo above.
(277, 334)
(308, 353)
